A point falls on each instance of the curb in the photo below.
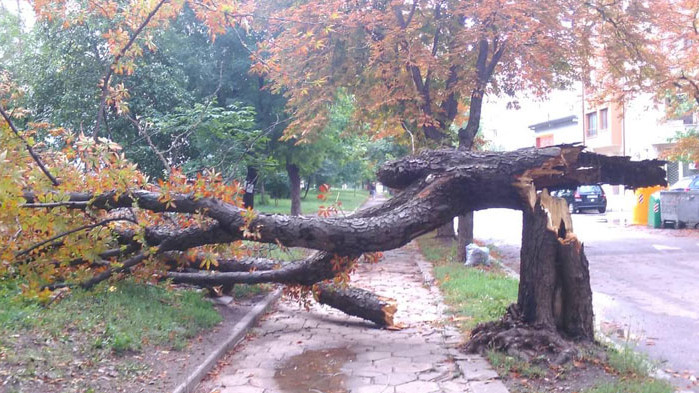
(237, 334)
(478, 372)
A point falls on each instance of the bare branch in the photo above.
(31, 151)
(144, 133)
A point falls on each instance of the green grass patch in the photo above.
(626, 360)
(350, 199)
(122, 317)
(474, 295)
(244, 291)
(636, 385)
(506, 364)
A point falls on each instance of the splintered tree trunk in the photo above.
(554, 287)
(554, 303)
(295, 182)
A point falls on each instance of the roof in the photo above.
(555, 123)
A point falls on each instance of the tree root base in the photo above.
(515, 337)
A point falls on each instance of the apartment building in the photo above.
(638, 128)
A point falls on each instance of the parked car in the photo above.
(589, 196)
(689, 183)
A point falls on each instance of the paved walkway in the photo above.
(322, 350)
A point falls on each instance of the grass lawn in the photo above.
(95, 341)
(121, 317)
(350, 199)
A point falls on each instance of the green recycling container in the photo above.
(654, 211)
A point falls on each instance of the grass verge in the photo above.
(350, 200)
(638, 385)
(474, 295)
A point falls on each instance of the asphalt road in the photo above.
(645, 283)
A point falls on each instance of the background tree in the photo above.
(410, 65)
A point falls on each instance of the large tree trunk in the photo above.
(554, 267)
(250, 184)
(554, 303)
(295, 188)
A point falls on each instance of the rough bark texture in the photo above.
(465, 235)
(358, 302)
(295, 188)
(554, 302)
(446, 230)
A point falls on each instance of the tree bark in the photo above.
(250, 184)
(554, 302)
(465, 235)
(554, 290)
(446, 230)
(295, 188)
(358, 302)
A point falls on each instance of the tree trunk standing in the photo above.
(295, 188)
(554, 303)
(554, 286)
(308, 187)
(250, 184)
(465, 235)
(467, 135)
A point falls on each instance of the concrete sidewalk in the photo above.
(324, 350)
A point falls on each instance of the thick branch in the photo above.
(309, 271)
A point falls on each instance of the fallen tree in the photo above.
(554, 296)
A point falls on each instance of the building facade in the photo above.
(638, 129)
(557, 131)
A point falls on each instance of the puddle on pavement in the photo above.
(315, 371)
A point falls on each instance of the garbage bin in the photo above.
(654, 220)
(641, 207)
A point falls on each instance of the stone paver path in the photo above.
(325, 351)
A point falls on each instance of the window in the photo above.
(591, 120)
(603, 119)
(688, 119)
